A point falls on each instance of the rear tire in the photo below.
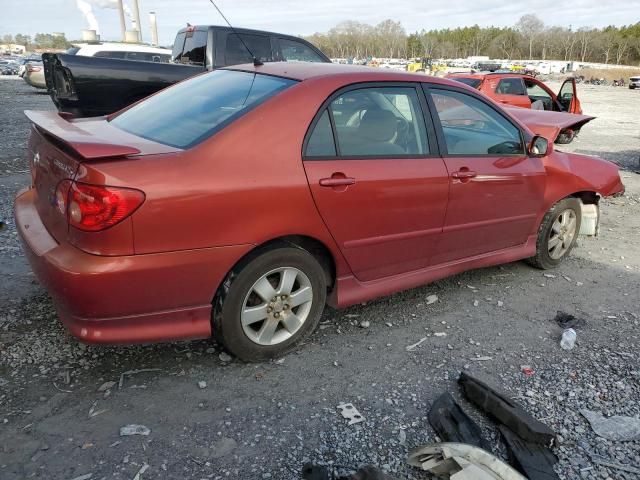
(557, 234)
(266, 307)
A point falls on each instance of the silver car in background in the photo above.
(634, 82)
(34, 74)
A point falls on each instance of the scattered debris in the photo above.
(453, 425)
(568, 340)
(566, 320)
(143, 469)
(351, 413)
(412, 347)
(86, 476)
(500, 303)
(134, 429)
(480, 359)
(440, 334)
(476, 303)
(500, 407)
(321, 472)
(365, 324)
(202, 385)
(225, 357)
(533, 460)
(135, 372)
(527, 370)
(432, 299)
(106, 386)
(617, 428)
(549, 275)
(93, 412)
(618, 466)
(458, 461)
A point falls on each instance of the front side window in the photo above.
(510, 86)
(379, 122)
(471, 127)
(237, 53)
(472, 82)
(195, 109)
(293, 51)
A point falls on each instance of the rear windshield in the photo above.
(193, 110)
(472, 82)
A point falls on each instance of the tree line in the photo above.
(38, 41)
(529, 38)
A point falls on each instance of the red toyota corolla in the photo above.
(239, 202)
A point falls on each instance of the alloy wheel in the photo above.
(563, 231)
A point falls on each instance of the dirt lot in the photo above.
(59, 419)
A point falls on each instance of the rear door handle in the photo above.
(337, 181)
(461, 174)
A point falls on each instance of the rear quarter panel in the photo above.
(244, 185)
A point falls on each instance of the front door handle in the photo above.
(462, 174)
(337, 181)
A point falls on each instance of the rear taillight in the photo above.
(95, 207)
(31, 68)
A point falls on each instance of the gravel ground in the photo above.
(60, 418)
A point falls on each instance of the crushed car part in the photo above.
(503, 409)
(351, 413)
(532, 459)
(452, 424)
(321, 472)
(459, 461)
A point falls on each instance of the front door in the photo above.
(568, 98)
(376, 178)
(496, 190)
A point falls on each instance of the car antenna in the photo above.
(256, 62)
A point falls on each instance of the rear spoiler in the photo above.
(72, 136)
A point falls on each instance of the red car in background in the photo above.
(238, 202)
(522, 90)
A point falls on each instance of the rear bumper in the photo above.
(125, 299)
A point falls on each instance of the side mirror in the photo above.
(539, 147)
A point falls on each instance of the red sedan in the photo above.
(237, 203)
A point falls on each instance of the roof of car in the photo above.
(308, 70)
(89, 49)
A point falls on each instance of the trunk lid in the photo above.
(547, 123)
(57, 147)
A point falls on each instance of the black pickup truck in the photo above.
(90, 86)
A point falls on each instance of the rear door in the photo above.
(511, 91)
(568, 96)
(377, 178)
(290, 50)
(496, 190)
(237, 48)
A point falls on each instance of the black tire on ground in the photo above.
(230, 300)
(542, 258)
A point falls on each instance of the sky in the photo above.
(298, 17)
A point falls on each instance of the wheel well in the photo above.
(588, 198)
(316, 248)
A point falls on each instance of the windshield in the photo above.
(472, 82)
(195, 109)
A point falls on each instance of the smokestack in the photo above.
(89, 36)
(123, 26)
(154, 28)
(136, 17)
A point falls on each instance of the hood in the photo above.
(548, 124)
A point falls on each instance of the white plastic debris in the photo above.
(351, 413)
(432, 299)
(202, 385)
(224, 357)
(134, 429)
(365, 324)
(617, 428)
(412, 347)
(440, 334)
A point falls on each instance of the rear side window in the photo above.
(472, 82)
(193, 110)
(321, 142)
(236, 53)
(511, 86)
(293, 51)
(195, 46)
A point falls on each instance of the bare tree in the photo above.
(530, 27)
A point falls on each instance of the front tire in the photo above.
(268, 306)
(557, 234)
